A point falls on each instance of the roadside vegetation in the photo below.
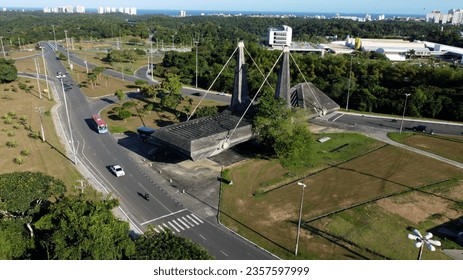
(450, 147)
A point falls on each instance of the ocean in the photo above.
(248, 13)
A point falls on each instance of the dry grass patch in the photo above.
(48, 157)
(270, 218)
(443, 146)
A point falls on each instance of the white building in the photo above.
(80, 9)
(280, 37)
(182, 13)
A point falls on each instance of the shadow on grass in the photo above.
(339, 240)
(61, 153)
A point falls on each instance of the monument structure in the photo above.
(207, 136)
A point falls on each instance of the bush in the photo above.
(11, 134)
(34, 134)
(12, 143)
(19, 160)
(25, 153)
(129, 104)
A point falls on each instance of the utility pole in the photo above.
(348, 86)
(37, 76)
(45, 72)
(40, 111)
(3, 48)
(54, 36)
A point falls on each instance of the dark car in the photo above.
(197, 93)
(420, 128)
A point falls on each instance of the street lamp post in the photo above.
(45, 72)
(3, 48)
(421, 240)
(348, 86)
(300, 217)
(403, 114)
(36, 63)
(60, 77)
(67, 47)
(40, 110)
(54, 36)
(196, 81)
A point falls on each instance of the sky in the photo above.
(419, 7)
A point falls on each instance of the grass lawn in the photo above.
(450, 147)
(346, 191)
(49, 156)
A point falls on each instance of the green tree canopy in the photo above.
(167, 246)
(8, 71)
(78, 229)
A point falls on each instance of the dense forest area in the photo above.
(375, 84)
(38, 221)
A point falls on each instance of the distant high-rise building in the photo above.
(182, 13)
(280, 37)
(80, 9)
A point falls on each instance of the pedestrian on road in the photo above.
(147, 196)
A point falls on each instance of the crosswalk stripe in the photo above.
(160, 228)
(156, 230)
(173, 226)
(183, 223)
(193, 220)
(188, 222)
(165, 226)
(177, 224)
(197, 218)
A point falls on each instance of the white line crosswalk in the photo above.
(179, 224)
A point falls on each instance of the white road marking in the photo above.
(158, 218)
(202, 237)
(177, 224)
(197, 218)
(173, 226)
(185, 225)
(188, 222)
(337, 117)
(193, 220)
(223, 253)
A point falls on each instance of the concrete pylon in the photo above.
(240, 98)
(284, 80)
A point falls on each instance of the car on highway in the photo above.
(197, 94)
(117, 170)
(419, 128)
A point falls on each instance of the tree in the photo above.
(120, 94)
(78, 229)
(8, 71)
(167, 246)
(124, 114)
(283, 132)
(23, 196)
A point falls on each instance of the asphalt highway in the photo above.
(96, 152)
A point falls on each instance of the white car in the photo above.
(117, 170)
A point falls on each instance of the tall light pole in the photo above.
(196, 43)
(3, 48)
(60, 77)
(37, 76)
(300, 217)
(403, 114)
(45, 72)
(421, 240)
(54, 37)
(67, 47)
(348, 86)
(40, 110)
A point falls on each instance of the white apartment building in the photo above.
(124, 10)
(280, 37)
(80, 9)
(453, 16)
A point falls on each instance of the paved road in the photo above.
(377, 127)
(95, 152)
